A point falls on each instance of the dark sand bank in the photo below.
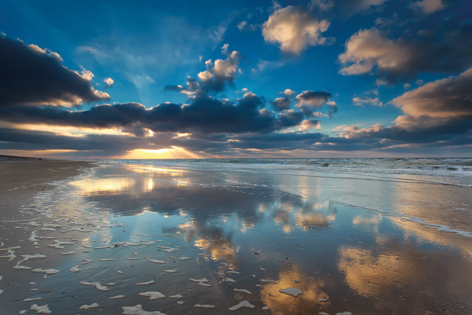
(19, 158)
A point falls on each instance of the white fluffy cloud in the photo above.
(108, 82)
(294, 28)
(289, 92)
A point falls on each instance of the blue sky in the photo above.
(374, 60)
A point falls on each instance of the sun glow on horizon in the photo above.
(168, 153)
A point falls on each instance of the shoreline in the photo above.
(21, 180)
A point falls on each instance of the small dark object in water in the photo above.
(325, 165)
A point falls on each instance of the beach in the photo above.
(248, 237)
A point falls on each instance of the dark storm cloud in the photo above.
(31, 75)
(204, 114)
(444, 48)
(281, 103)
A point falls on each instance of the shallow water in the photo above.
(353, 244)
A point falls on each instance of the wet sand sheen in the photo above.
(129, 240)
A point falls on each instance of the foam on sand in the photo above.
(181, 258)
(138, 310)
(291, 291)
(243, 290)
(204, 306)
(233, 272)
(153, 295)
(47, 271)
(145, 283)
(229, 280)
(86, 307)
(97, 285)
(25, 258)
(241, 305)
(201, 282)
(44, 309)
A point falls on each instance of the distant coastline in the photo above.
(19, 158)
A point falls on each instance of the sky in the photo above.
(236, 79)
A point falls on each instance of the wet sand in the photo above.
(178, 241)
(21, 180)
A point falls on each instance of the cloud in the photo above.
(245, 27)
(108, 82)
(289, 92)
(265, 64)
(313, 99)
(443, 49)
(310, 124)
(358, 101)
(438, 113)
(281, 103)
(295, 28)
(34, 76)
(217, 75)
(346, 7)
(204, 115)
(449, 98)
(427, 6)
